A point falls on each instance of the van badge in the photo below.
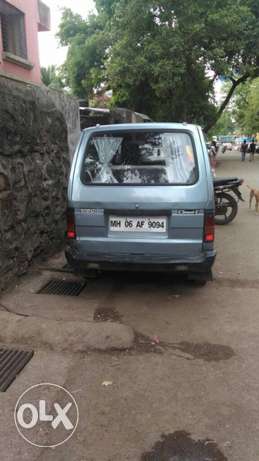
(91, 211)
(137, 206)
(188, 212)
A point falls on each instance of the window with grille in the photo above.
(13, 30)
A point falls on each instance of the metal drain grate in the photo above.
(62, 287)
(11, 363)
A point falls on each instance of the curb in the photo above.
(65, 336)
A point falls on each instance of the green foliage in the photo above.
(87, 41)
(152, 68)
(70, 26)
(246, 107)
(52, 77)
(106, 6)
(161, 57)
(224, 126)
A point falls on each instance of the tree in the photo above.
(87, 41)
(153, 67)
(162, 57)
(225, 125)
(246, 107)
(51, 77)
(243, 59)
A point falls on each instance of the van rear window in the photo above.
(140, 158)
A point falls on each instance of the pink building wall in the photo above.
(30, 9)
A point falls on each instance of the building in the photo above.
(20, 22)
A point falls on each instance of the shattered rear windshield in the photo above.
(140, 158)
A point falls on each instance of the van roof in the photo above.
(142, 126)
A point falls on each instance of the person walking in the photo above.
(213, 157)
(244, 147)
(252, 148)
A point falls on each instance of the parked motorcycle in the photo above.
(226, 204)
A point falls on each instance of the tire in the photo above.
(198, 283)
(199, 279)
(230, 203)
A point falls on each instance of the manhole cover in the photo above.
(63, 287)
(11, 363)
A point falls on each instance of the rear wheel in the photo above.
(198, 283)
(200, 279)
(226, 208)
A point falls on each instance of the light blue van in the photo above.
(141, 196)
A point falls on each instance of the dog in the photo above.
(254, 193)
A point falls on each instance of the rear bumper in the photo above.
(81, 260)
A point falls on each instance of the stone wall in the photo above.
(69, 107)
(34, 167)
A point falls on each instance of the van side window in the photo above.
(141, 158)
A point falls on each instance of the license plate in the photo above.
(138, 224)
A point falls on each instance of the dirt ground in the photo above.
(190, 393)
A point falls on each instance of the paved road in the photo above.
(191, 397)
(238, 243)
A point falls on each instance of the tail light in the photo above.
(71, 228)
(209, 227)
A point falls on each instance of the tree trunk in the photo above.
(235, 84)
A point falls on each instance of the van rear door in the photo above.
(142, 192)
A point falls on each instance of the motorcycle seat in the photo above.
(224, 181)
